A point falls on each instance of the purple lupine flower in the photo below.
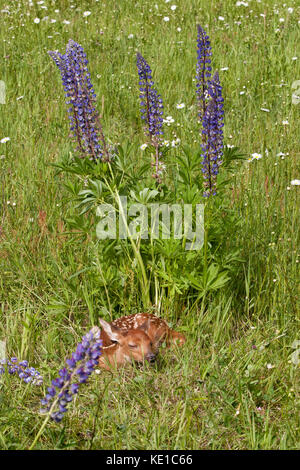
(212, 146)
(79, 368)
(151, 111)
(86, 128)
(27, 374)
(2, 364)
(203, 69)
(209, 95)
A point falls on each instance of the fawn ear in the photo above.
(160, 336)
(112, 332)
(145, 325)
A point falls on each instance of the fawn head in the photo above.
(133, 344)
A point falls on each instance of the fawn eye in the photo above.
(132, 345)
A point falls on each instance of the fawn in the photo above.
(136, 338)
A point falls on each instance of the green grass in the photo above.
(234, 385)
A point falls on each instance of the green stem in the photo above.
(145, 283)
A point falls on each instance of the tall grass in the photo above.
(234, 385)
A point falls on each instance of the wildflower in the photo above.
(178, 29)
(285, 123)
(36, 20)
(151, 102)
(295, 182)
(143, 147)
(221, 18)
(265, 109)
(169, 120)
(66, 22)
(166, 19)
(4, 140)
(151, 108)
(79, 368)
(256, 156)
(180, 106)
(86, 13)
(290, 10)
(203, 72)
(175, 142)
(84, 119)
(212, 147)
(130, 36)
(209, 94)
(173, 7)
(27, 374)
(270, 366)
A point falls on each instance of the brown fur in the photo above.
(136, 337)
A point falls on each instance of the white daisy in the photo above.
(4, 140)
(256, 156)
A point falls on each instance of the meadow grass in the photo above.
(234, 385)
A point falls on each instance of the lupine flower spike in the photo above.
(203, 72)
(86, 128)
(27, 374)
(79, 368)
(211, 114)
(151, 111)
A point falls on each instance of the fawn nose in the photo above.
(151, 357)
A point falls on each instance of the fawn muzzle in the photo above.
(150, 357)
